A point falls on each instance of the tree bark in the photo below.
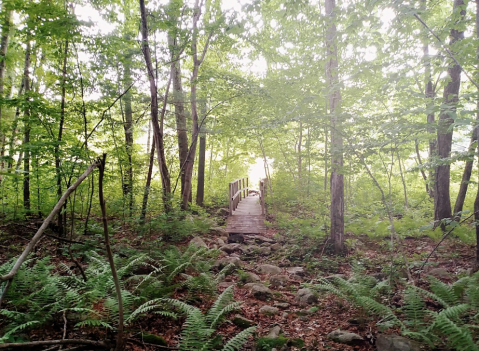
(157, 133)
(466, 176)
(26, 133)
(197, 61)
(60, 219)
(3, 54)
(128, 128)
(200, 189)
(336, 180)
(300, 159)
(148, 183)
(179, 103)
(442, 201)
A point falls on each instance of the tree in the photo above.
(334, 101)
(442, 200)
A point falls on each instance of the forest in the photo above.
(239, 175)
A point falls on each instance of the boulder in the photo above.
(197, 241)
(269, 310)
(224, 285)
(250, 278)
(218, 231)
(265, 251)
(251, 249)
(242, 322)
(153, 339)
(261, 292)
(276, 247)
(306, 296)
(274, 332)
(279, 280)
(269, 269)
(345, 337)
(296, 271)
(282, 305)
(222, 212)
(230, 248)
(220, 241)
(223, 262)
(396, 343)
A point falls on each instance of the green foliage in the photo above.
(199, 329)
(453, 325)
(41, 291)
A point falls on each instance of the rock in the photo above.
(230, 248)
(223, 262)
(236, 238)
(265, 251)
(222, 212)
(250, 285)
(306, 296)
(396, 343)
(225, 285)
(269, 269)
(345, 337)
(279, 280)
(379, 276)
(440, 273)
(285, 314)
(296, 271)
(251, 249)
(303, 318)
(282, 305)
(153, 339)
(197, 241)
(242, 322)
(285, 263)
(250, 278)
(220, 241)
(276, 247)
(269, 310)
(218, 231)
(274, 332)
(261, 239)
(261, 292)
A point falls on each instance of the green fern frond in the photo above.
(238, 341)
(443, 290)
(458, 338)
(94, 323)
(20, 328)
(221, 302)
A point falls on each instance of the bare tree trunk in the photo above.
(26, 133)
(197, 61)
(128, 128)
(442, 200)
(337, 181)
(300, 160)
(403, 180)
(179, 103)
(157, 133)
(60, 219)
(431, 122)
(3, 53)
(200, 189)
(148, 183)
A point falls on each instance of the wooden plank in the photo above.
(247, 217)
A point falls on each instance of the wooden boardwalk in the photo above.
(247, 217)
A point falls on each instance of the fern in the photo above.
(237, 342)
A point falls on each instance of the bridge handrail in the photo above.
(263, 187)
(238, 189)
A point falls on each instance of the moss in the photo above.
(299, 343)
(153, 339)
(266, 344)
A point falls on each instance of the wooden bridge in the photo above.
(246, 208)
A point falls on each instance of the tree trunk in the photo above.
(442, 201)
(26, 133)
(3, 53)
(431, 121)
(60, 219)
(148, 183)
(128, 128)
(300, 160)
(466, 176)
(336, 181)
(179, 103)
(157, 133)
(194, 108)
(200, 189)
(403, 180)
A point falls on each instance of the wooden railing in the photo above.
(238, 190)
(263, 188)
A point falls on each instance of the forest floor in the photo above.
(297, 263)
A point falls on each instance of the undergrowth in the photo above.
(451, 320)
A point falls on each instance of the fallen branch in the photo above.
(103, 344)
(39, 234)
(442, 239)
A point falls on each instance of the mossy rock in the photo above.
(296, 342)
(153, 339)
(266, 344)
